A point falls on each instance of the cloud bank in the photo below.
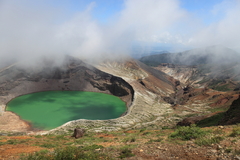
(223, 32)
(31, 30)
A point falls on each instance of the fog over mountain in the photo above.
(31, 30)
(214, 55)
(194, 74)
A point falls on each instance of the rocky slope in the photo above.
(215, 89)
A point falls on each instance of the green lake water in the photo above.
(50, 109)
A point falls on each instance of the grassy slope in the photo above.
(126, 144)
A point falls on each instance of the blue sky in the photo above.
(105, 9)
(103, 28)
(202, 9)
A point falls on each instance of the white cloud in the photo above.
(223, 32)
(29, 29)
(152, 17)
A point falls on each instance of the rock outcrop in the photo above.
(78, 133)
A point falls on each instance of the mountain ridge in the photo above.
(211, 54)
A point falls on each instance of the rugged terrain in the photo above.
(215, 88)
(209, 77)
(158, 98)
(140, 86)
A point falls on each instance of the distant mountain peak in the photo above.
(212, 54)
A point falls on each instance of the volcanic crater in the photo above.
(74, 75)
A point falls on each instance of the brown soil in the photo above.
(11, 122)
(105, 135)
(12, 152)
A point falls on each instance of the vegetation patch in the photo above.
(208, 140)
(92, 147)
(154, 140)
(220, 109)
(68, 153)
(123, 144)
(235, 132)
(48, 145)
(211, 121)
(14, 141)
(126, 153)
(188, 133)
(219, 85)
(129, 139)
(223, 88)
(203, 81)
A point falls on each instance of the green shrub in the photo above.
(68, 153)
(218, 131)
(41, 155)
(92, 147)
(228, 150)
(142, 130)
(207, 141)
(166, 127)
(38, 136)
(129, 139)
(48, 145)
(146, 133)
(158, 140)
(132, 139)
(235, 132)
(14, 141)
(223, 88)
(154, 140)
(60, 137)
(126, 153)
(211, 121)
(236, 152)
(188, 132)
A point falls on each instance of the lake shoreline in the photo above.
(50, 109)
(10, 121)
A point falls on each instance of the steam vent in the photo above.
(136, 89)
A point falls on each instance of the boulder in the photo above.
(78, 132)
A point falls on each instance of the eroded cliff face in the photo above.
(73, 75)
(183, 74)
(204, 86)
(221, 77)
